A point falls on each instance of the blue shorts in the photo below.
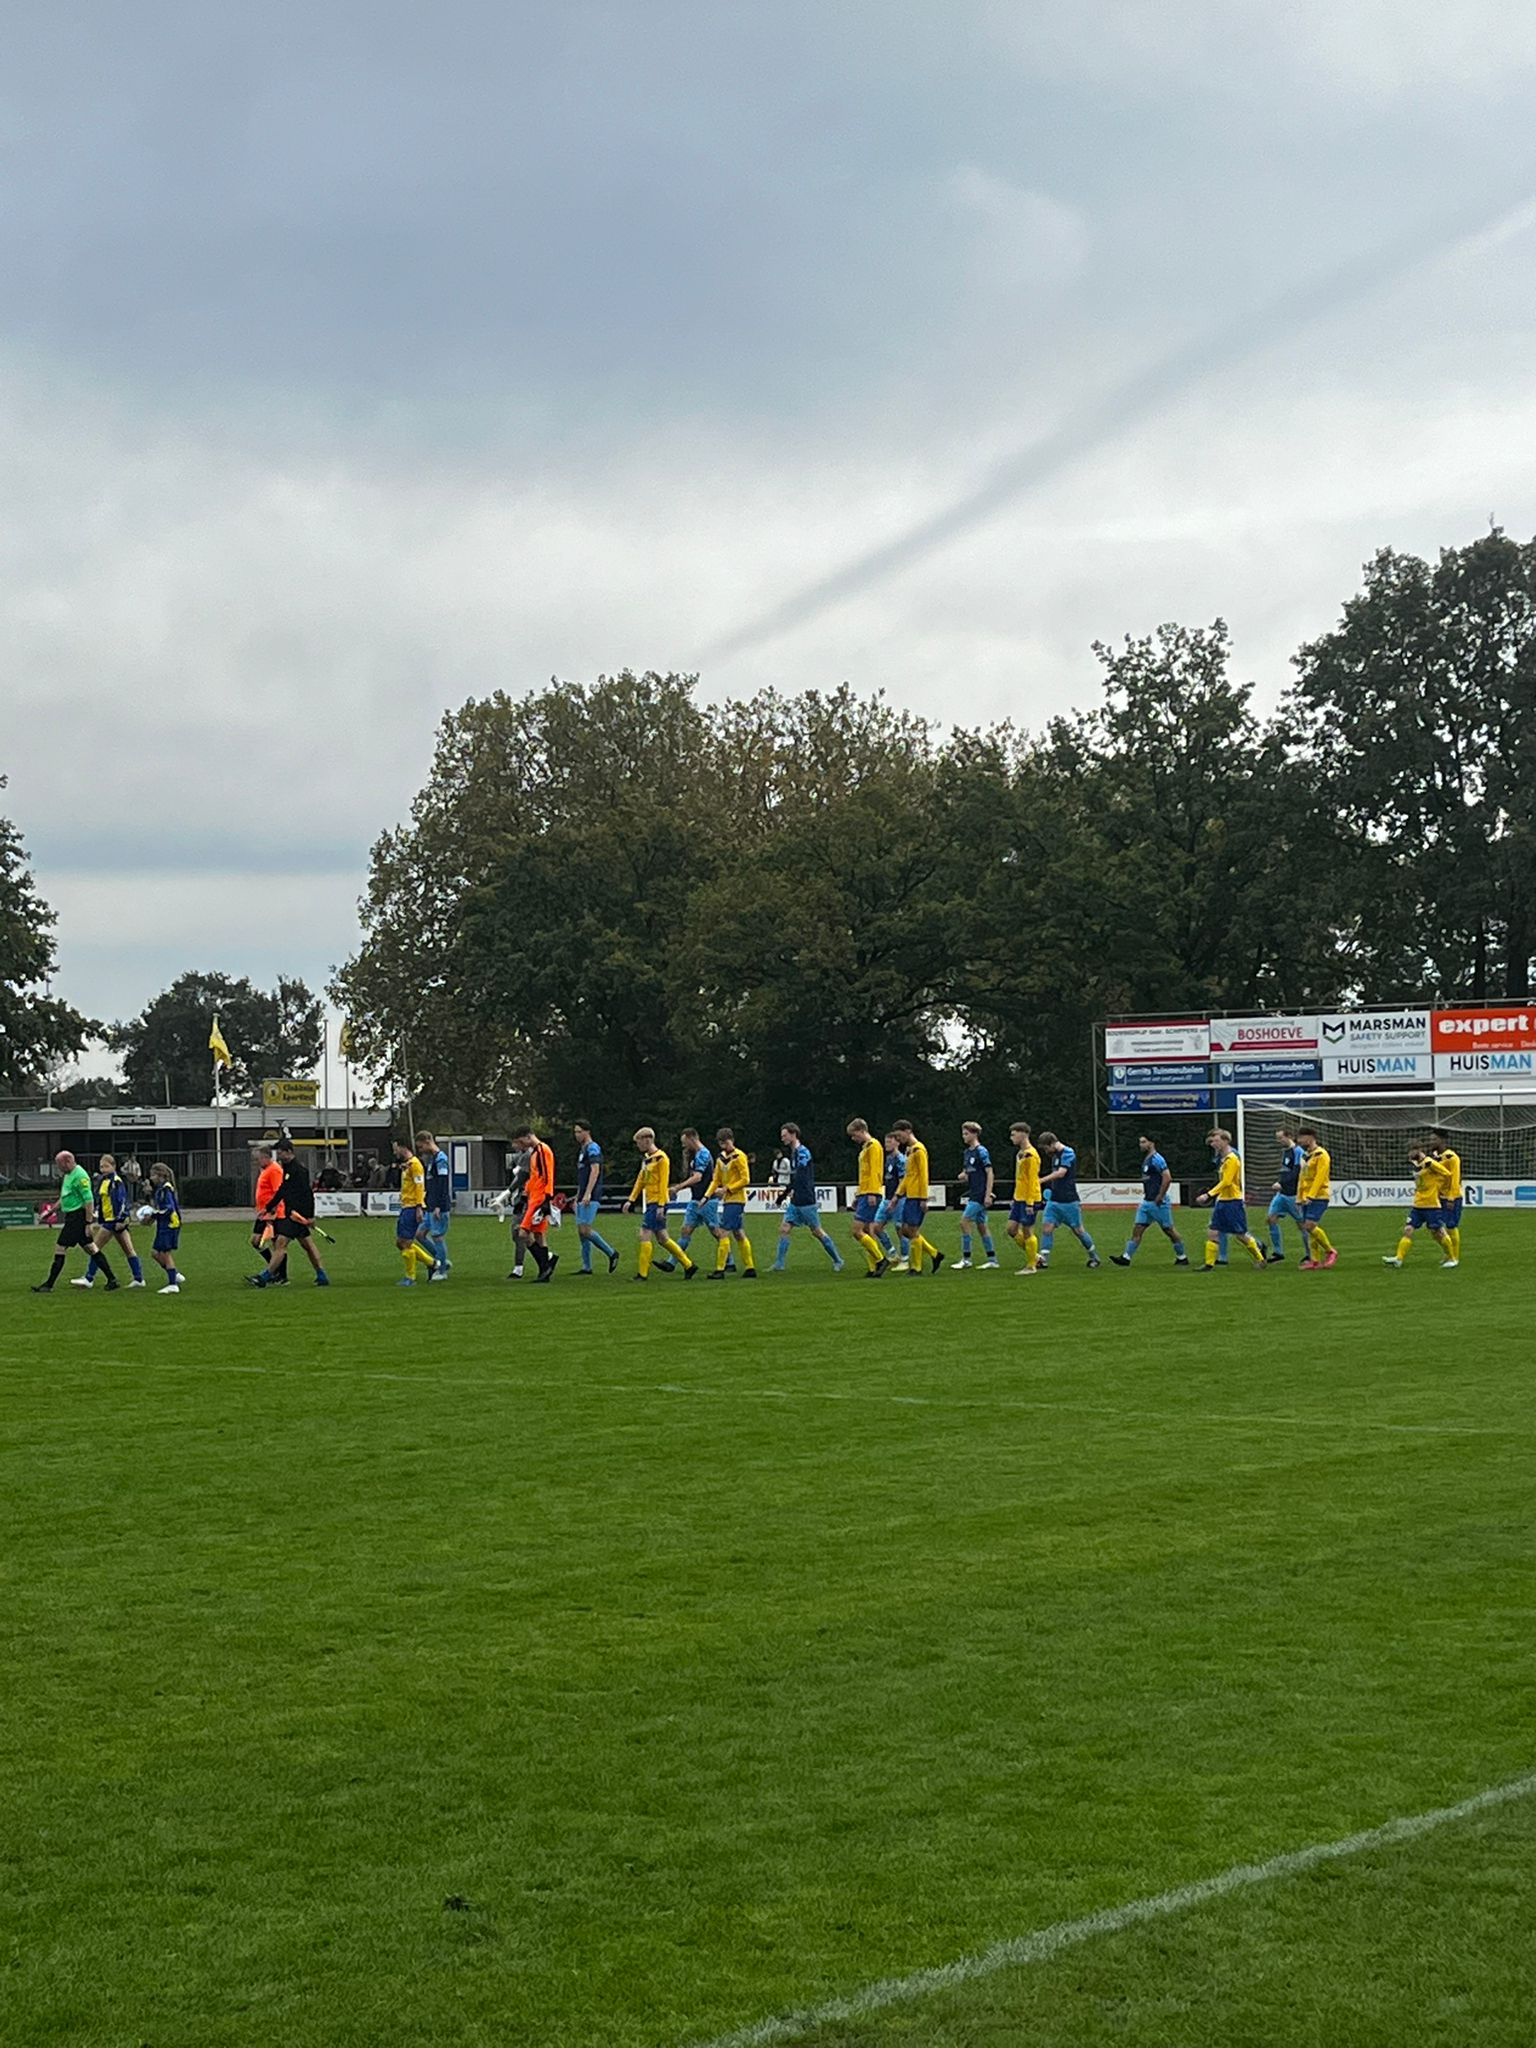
(886, 1213)
(1229, 1219)
(653, 1217)
(435, 1223)
(913, 1210)
(1425, 1219)
(974, 1212)
(586, 1214)
(1314, 1212)
(1068, 1213)
(1155, 1212)
(1023, 1212)
(1450, 1213)
(805, 1214)
(865, 1208)
(407, 1226)
(166, 1239)
(731, 1214)
(707, 1213)
(1285, 1205)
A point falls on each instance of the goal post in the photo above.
(1367, 1138)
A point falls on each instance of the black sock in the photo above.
(111, 1276)
(264, 1253)
(56, 1268)
(540, 1255)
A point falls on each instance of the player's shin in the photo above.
(1404, 1246)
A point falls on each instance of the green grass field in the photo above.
(615, 1667)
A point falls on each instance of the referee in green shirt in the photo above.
(75, 1200)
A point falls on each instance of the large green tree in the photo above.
(271, 1033)
(1418, 712)
(36, 1030)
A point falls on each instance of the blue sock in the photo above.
(1275, 1244)
(965, 1244)
(781, 1255)
(92, 1266)
(136, 1268)
(586, 1255)
(174, 1277)
(987, 1245)
(832, 1252)
(1088, 1246)
(883, 1237)
(600, 1244)
(1130, 1248)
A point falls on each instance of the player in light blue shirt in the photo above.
(589, 1193)
(1156, 1206)
(800, 1210)
(1284, 1203)
(976, 1162)
(434, 1227)
(1063, 1203)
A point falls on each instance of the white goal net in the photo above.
(1367, 1137)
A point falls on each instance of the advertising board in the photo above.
(1190, 1040)
(1264, 1038)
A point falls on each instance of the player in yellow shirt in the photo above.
(914, 1202)
(1229, 1218)
(1450, 1207)
(1431, 1178)
(1313, 1192)
(1027, 1199)
(413, 1207)
(867, 1195)
(728, 1187)
(653, 1183)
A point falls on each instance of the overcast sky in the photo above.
(360, 359)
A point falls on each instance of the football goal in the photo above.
(1367, 1136)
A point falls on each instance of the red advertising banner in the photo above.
(1502, 1027)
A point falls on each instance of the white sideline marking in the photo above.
(1046, 1942)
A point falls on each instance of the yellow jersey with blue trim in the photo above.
(871, 1167)
(1026, 1175)
(1451, 1161)
(413, 1185)
(653, 1183)
(730, 1177)
(1229, 1180)
(914, 1182)
(1314, 1185)
(1430, 1185)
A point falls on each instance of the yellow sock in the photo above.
(870, 1248)
(929, 1247)
(1251, 1246)
(749, 1264)
(1404, 1246)
(408, 1260)
(722, 1253)
(675, 1249)
(421, 1256)
(1210, 1252)
(915, 1253)
(643, 1258)
(1321, 1243)
(1455, 1237)
(1031, 1249)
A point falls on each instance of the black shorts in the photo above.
(72, 1230)
(290, 1226)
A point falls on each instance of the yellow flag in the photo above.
(344, 1041)
(217, 1046)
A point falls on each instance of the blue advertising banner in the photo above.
(1264, 1077)
(1142, 1075)
(1159, 1101)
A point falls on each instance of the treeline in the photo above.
(619, 900)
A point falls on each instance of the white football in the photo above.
(145, 1213)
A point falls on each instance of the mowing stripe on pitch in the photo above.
(1046, 1942)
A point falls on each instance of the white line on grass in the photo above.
(1046, 1942)
(1338, 1425)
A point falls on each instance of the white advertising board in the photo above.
(1109, 1194)
(338, 1205)
(1378, 1069)
(1486, 1073)
(1264, 1038)
(1190, 1041)
(1354, 1034)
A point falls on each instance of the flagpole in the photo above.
(218, 1130)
